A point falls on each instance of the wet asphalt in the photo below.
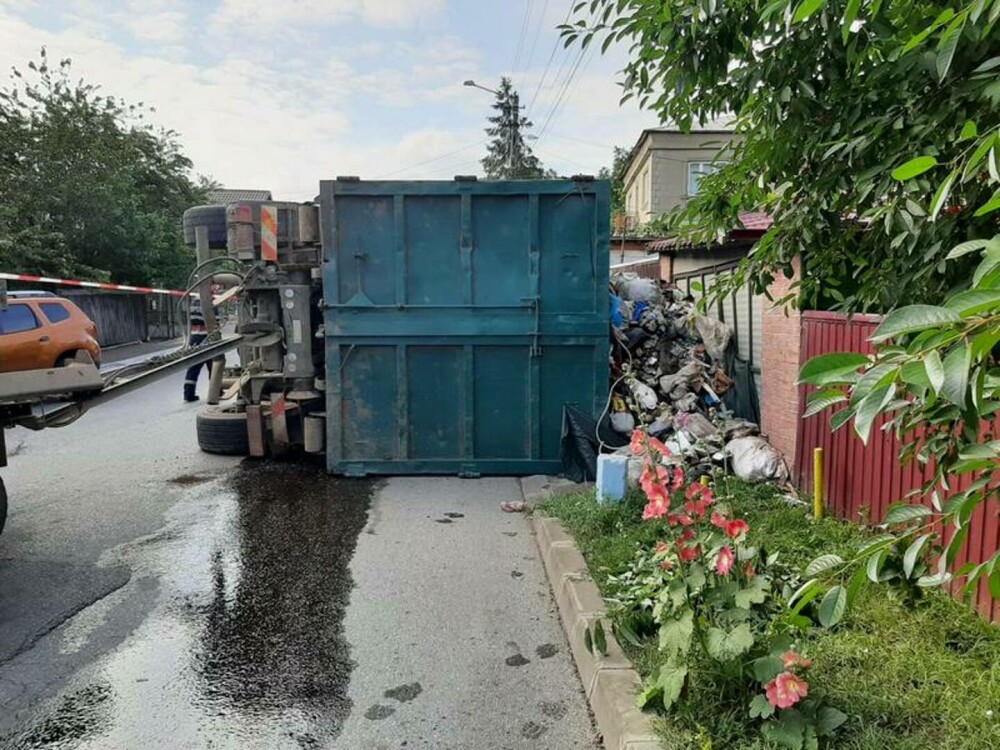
(155, 597)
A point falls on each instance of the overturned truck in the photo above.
(410, 327)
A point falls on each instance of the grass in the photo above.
(909, 678)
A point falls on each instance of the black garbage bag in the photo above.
(579, 446)
(742, 398)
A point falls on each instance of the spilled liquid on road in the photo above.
(245, 647)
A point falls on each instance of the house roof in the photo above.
(234, 195)
(755, 224)
(713, 128)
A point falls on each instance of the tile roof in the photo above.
(755, 223)
(227, 195)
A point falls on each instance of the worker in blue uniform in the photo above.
(196, 334)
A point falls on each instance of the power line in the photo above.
(565, 90)
(560, 157)
(555, 48)
(538, 29)
(522, 36)
(431, 161)
(577, 140)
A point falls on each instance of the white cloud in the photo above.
(165, 26)
(249, 124)
(276, 16)
(311, 105)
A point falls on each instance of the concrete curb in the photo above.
(609, 681)
(540, 487)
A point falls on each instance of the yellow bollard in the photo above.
(819, 502)
(705, 479)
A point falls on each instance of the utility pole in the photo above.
(512, 122)
(513, 125)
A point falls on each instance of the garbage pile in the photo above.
(669, 376)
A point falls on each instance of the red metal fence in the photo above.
(862, 482)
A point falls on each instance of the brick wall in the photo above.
(779, 370)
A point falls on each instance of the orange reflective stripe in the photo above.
(269, 233)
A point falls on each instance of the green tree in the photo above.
(616, 173)
(508, 156)
(831, 98)
(88, 188)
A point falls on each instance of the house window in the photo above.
(697, 170)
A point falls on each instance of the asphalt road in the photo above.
(152, 596)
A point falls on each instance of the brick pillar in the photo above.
(779, 370)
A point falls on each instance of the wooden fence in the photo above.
(863, 481)
(126, 318)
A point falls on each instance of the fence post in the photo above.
(819, 501)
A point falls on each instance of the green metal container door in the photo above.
(460, 318)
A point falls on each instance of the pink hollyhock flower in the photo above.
(679, 518)
(719, 520)
(687, 554)
(696, 508)
(652, 477)
(792, 659)
(678, 479)
(657, 493)
(785, 690)
(638, 444)
(724, 562)
(654, 509)
(661, 547)
(736, 529)
(659, 447)
(667, 564)
(748, 570)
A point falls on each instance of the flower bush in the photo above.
(710, 597)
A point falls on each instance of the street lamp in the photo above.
(472, 83)
(511, 116)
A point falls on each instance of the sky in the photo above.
(279, 94)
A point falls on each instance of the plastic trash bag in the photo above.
(756, 460)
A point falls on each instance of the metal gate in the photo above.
(460, 318)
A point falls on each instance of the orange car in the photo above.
(40, 330)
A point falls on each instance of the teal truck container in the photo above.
(460, 317)
(414, 327)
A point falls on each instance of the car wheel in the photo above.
(223, 432)
(66, 359)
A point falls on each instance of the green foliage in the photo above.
(715, 599)
(868, 129)
(617, 176)
(87, 188)
(508, 156)
(907, 678)
(935, 379)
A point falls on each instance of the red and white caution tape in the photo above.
(90, 284)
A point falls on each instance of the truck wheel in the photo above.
(3, 505)
(213, 217)
(223, 432)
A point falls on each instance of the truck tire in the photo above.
(223, 432)
(213, 217)
(3, 505)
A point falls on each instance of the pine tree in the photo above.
(508, 157)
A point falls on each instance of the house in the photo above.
(226, 195)
(680, 257)
(664, 169)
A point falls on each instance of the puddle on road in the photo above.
(245, 647)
